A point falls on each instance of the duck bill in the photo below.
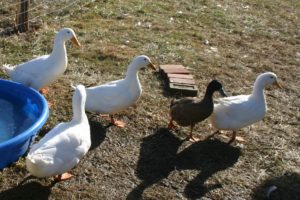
(75, 41)
(222, 92)
(151, 66)
(277, 84)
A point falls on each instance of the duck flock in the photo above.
(62, 147)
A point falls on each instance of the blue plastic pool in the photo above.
(23, 111)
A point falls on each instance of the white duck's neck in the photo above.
(258, 91)
(79, 112)
(132, 75)
(59, 51)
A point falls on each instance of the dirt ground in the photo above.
(232, 41)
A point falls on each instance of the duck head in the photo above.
(78, 103)
(79, 95)
(142, 61)
(215, 85)
(266, 79)
(66, 34)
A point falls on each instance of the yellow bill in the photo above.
(75, 41)
(277, 84)
(151, 66)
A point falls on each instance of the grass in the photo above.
(144, 160)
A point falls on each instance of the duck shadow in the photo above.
(31, 190)
(156, 161)
(285, 187)
(208, 156)
(98, 133)
(159, 157)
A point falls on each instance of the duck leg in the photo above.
(191, 137)
(117, 123)
(171, 125)
(63, 177)
(233, 137)
(44, 91)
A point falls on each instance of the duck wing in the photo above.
(63, 139)
(182, 101)
(59, 151)
(190, 110)
(237, 112)
(234, 104)
(34, 66)
(110, 97)
(32, 71)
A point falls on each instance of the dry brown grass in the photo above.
(144, 160)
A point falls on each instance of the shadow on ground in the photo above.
(158, 157)
(98, 133)
(285, 187)
(32, 190)
(208, 156)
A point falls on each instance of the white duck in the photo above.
(118, 95)
(42, 71)
(236, 112)
(62, 148)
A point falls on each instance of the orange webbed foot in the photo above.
(44, 90)
(63, 177)
(118, 123)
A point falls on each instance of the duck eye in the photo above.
(68, 32)
(271, 77)
(145, 59)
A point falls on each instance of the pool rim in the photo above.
(32, 130)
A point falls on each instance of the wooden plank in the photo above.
(182, 80)
(171, 66)
(183, 76)
(176, 71)
(184, 89)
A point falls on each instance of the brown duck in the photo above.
(190, 110)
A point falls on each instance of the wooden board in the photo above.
(183, 76)
(182, 80)
(179, 79)
(163, 67)
(184, 89)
